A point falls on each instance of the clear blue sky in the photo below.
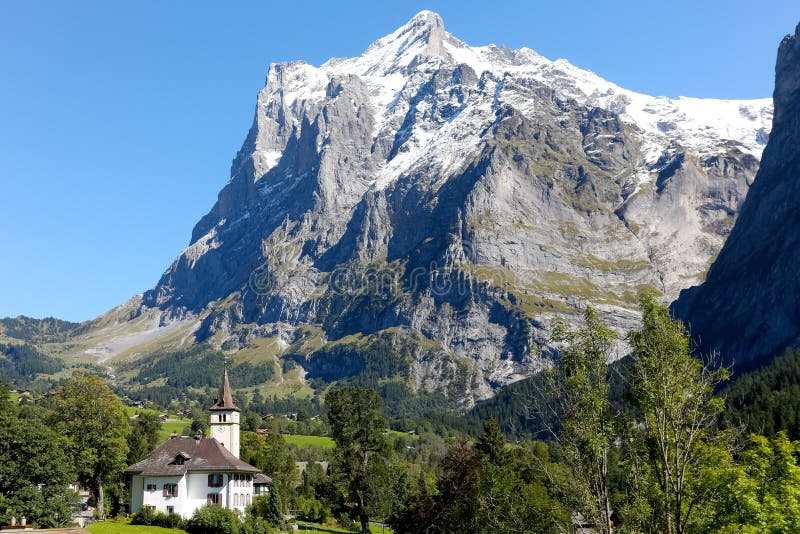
(119, 120)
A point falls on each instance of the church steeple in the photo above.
(225, 418)
(225, 399)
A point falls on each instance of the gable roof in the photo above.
(261, 479)
(225, 399)
(204, 454)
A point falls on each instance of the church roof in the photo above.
(225, 399)
(197, 454)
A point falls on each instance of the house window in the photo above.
(151, 487)
(170, 509)
(249, 502)
(170, 490)
(214, 498)
(223, 417)
(215, 481)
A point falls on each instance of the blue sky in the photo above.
(119, 120)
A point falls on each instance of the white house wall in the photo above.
(156, 497)
(193, 490)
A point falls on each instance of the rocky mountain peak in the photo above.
(420, 39)
(787, 78)
(747, 309)
(489, 190)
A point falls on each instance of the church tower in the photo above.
(225, 418)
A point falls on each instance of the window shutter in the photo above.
(175, 490)
(165, 491)
(210, 481)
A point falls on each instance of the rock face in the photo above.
(458, 199)
(749, 306)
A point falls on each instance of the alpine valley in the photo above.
(420, 217)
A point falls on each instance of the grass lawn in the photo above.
(305, 441)
(313, 527)
(168, 427)
(116, 527)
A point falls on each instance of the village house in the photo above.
(187, 473)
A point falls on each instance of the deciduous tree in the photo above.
(35, 472)
(94, 422)
(673, 393)
(586, 424)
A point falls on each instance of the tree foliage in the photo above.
(360, 459)
(273, 457)
(143, 436)
(587, 425)
(93, 420)
(481, 491)
(673, 393)
(35, 472)
(767, 399)
(22, 363)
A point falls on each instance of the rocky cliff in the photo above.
(455, 200)
(749, 306)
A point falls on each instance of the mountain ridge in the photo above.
(753, 284)
(456, 199)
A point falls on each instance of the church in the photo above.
(186, 473)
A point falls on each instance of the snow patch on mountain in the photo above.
(388, 65)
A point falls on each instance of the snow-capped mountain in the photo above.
(455, 200)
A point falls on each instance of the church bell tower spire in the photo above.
(225, 418)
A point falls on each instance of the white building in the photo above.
(184, 474)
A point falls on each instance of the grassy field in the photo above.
(173, 424)
(116, 527)
(305, 441)
(313, 527)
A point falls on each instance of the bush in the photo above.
(256, 525)
(152, 518)
(268, 507)
(144, 517)
(170, 521)
(312, 509)
(214, 520)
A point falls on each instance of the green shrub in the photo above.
(146, 516)
(172, 520)
(214, 520)
(256, 525)
(312, 509)
(152, 518)
(268, 507)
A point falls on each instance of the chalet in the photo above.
(186, 473)
(261, 484)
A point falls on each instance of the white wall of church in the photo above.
(225, 429)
